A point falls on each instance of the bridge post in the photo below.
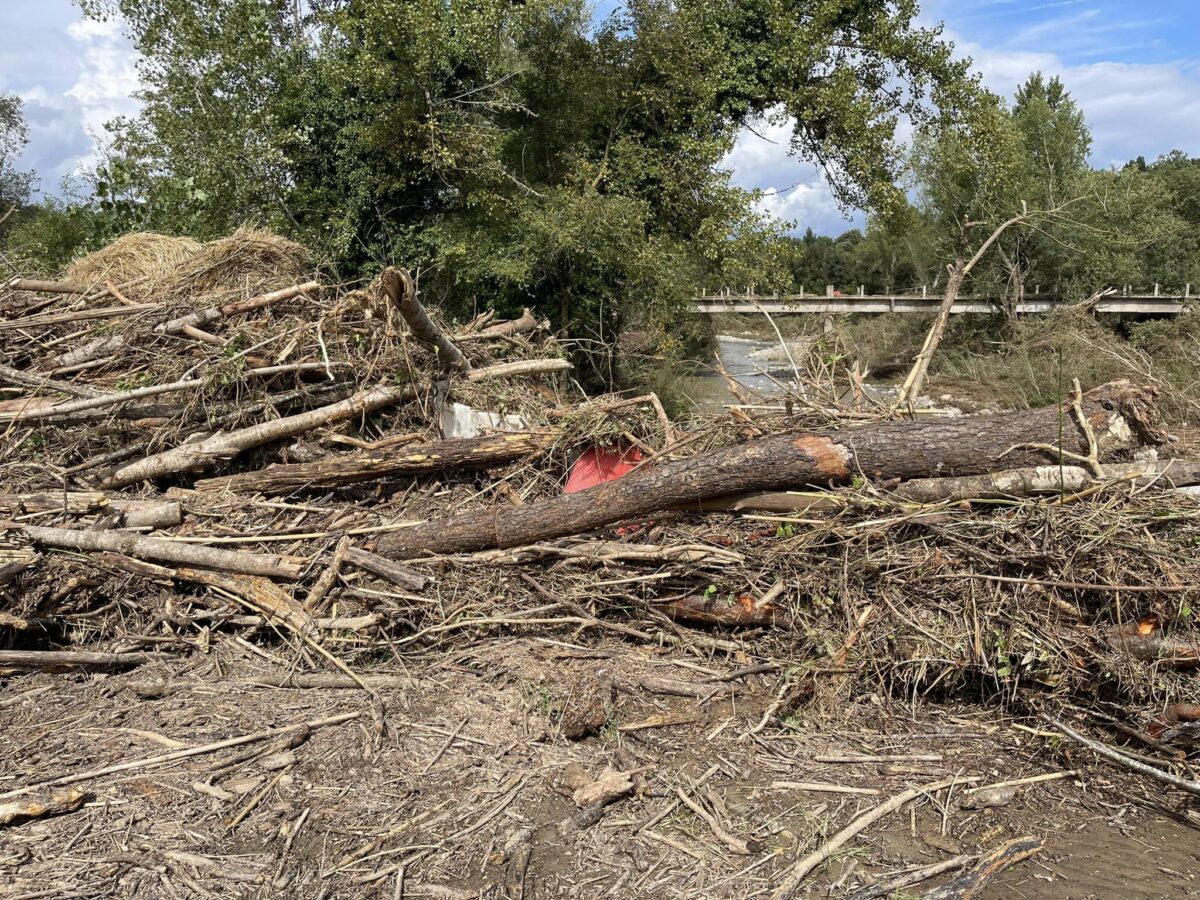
(829, 290)
(1187, 290)
(924, 288)
(1156, 289)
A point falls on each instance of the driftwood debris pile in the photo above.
(280, 464)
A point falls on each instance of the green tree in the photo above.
(15, 185)
(518, 152)
(1174, 262)
(1082, 229)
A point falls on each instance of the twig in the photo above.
(738, 845)
(1018, 782)
(162, 759)
(822, 788)
(804, 867)
(1192, 787)
(885, 887)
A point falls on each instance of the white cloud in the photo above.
(1133, 109)
(107, 79)
(795, 190)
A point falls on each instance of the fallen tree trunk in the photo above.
(412, 459)
(136, 513)
(238, 561)
(222, 446)
(65, 660)
(1044, 480)
(399, 287)
(1012, 483)
(1119, 414)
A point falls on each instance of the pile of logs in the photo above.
(149, 504)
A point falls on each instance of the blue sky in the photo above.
(1133, 67)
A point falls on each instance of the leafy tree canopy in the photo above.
(15, 185)
(514, 150)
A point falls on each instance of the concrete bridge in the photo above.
(833, 303)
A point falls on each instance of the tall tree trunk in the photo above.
(1120, 414)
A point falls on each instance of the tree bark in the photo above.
(136, 513)
(40, 806)
(65, 660)
(176, 326)
(33, 285)
(78, 315)
(519, 367)
(239, 561)
(222, 446)
(399, 287)
(413, 459)
(911, 389)
(527, 322)
(403, 578)
(42, 382)
(1120, 414)
(1048, 479)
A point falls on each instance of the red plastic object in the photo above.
(596, 465)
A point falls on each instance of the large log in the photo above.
(1120, 414)
(1012, 483)
(204, 453)
(412, 459)
(239, 561)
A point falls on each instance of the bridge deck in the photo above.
(906, 303)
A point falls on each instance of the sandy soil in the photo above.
(455, 780)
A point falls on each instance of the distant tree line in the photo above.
(1089, 228)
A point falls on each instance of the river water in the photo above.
(763, 368)
(759, 366)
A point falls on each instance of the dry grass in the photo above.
(248, 262)
(135, 262)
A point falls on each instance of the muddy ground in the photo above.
(455, 779)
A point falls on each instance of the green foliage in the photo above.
(49, 235)
(15, 185)
(517, 152)
(1086, 228)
